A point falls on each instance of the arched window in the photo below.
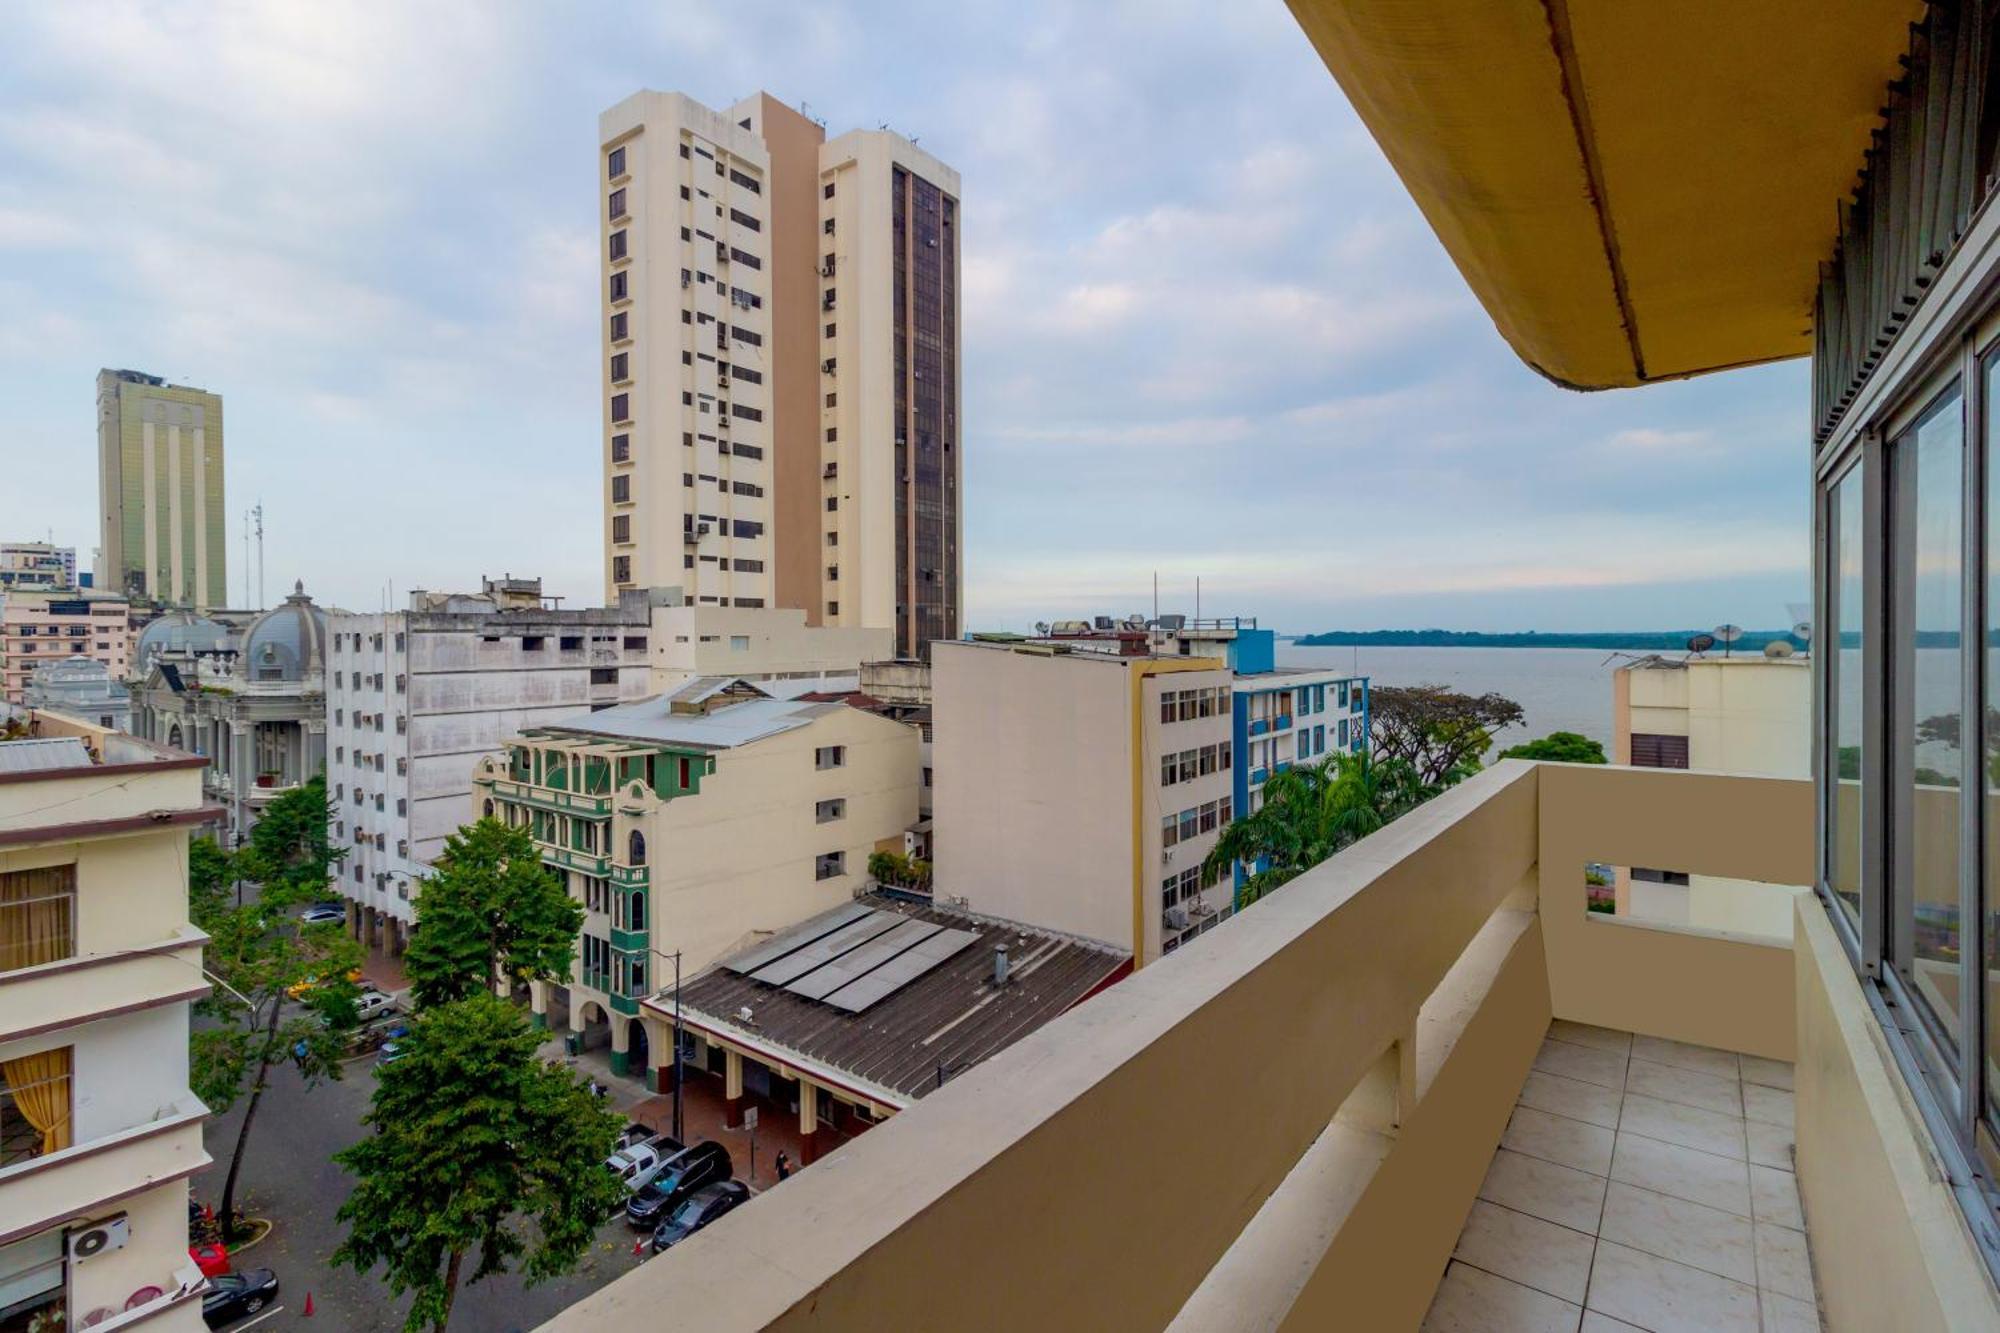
(489, 809)
(174, 740)
(637, 853)
(635, 910)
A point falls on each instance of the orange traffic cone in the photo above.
(309, 1303)
(639, 1246)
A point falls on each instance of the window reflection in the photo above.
(1842, 646)
(1928, 492)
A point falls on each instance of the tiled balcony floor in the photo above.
(1641, 1184)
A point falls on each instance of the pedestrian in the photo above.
(784, 1165)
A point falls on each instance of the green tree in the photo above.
(492, 914)
(1310, 813)
(470, 1132)
(257, 953)
(1439, 732)
(1563, 747)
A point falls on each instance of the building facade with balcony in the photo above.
(691, 823)
(1432, 1021)
(37, 565)
(39, 625)
(99, 1132)
(257, 714)
(1079, 785)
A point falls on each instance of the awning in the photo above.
(1635, 191)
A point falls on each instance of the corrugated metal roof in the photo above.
(947, 1018)
(654, 720)
(47, 755)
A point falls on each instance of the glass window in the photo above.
(1927, 547)
(1990, 740)
(1842, 648)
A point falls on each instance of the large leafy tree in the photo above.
(491, 914)
(1310, 813)
(477, 1145)
(1563, 747)
(1439, 732)
(258, 952)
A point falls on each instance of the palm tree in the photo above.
(1308, 814)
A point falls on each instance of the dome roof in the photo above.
(288, 642)
(181, 632)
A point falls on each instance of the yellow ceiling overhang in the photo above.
(1635, 190)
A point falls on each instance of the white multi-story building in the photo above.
(37, 565)
(686, 332)
(782, 367)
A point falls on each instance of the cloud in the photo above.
(1206, 330)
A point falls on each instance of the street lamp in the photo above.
(676, 957)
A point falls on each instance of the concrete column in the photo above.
(621, 1043)
(353, 919)
(396, 937)
(538, 1005)
(732, 1089)
(808, 1123)
(374, 929)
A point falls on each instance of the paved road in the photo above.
(290, 1177)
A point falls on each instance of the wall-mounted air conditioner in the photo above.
(99, 1237)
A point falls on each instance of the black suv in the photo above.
(684, 1173)
(698, 1210)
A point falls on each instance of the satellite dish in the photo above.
(1701, 643)
(1728, 633)
(1778, 648)
(1135, 622)
(1803, 631)
(1041, 627)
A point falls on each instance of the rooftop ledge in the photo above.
(1341, 1063)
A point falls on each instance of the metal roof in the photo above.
(43, 755)
(946, 1017)
(654, 720)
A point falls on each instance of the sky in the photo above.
(1207, 334)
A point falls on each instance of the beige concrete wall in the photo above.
(1033, 796)
(738, 859)
(1689, 985)
(1751, 715)
(1286, 1010)
(798, 548)
(689, 641)
(1890, 1246)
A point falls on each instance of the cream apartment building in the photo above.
(161, 503)
(98, 965)
(782, 364)
(694, 822)
(1080, 790)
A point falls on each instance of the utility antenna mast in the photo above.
(256, 517)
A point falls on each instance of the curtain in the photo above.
(35, 911)
(39, 1086)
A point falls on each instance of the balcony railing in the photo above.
(1258, 726)
(588, 863)
(1361, 1038)
(553, 800)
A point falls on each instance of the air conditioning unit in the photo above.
(90, 1241)
(1177, 918)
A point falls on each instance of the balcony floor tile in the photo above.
(1656, 1204)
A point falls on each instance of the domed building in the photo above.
(181, 633)
(254, 704)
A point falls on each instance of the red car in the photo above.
(212, 1260)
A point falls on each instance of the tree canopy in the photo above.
(490, 914)
(1563, 747)
(1439, 732)
(1310, 813)
(476, 1145)
(257, 953)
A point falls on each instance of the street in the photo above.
(289, 1176)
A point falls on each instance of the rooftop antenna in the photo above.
(1727, 635)
(1197, 599)
(258, 513)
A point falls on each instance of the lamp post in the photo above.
(676, 957)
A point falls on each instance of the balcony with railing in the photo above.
(554, 799)
(1413, 1079)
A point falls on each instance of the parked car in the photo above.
(373, 1004)
(320, 914)
(234, 1295)
(393, 1050)
(698, 1210)
(638, 1133)
(679, 1176)
(210, 1257)
(639, 1163)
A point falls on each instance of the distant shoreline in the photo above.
(1641, 641)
